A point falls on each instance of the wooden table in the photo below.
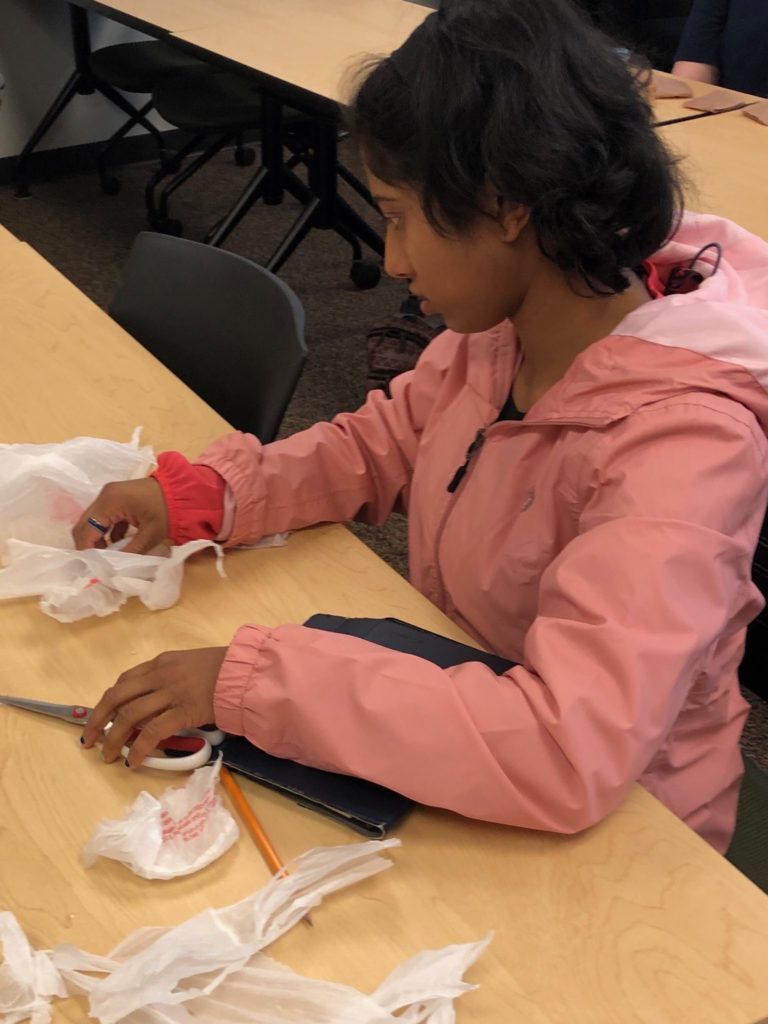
(306, 43)
(635, 921)
(671, 110)
(309, 45)
(167, 16)
(726, 161)
(7, 239)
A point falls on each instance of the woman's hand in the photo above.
(173, 691)
(138, 503)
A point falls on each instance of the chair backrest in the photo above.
(231, 330)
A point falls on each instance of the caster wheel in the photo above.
(365, 275)
(244, 156)
(110, 186)
(169, 226)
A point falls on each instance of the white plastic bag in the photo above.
(28, 978)
(420, 991)
(45, 487)
(43, 491)
(165, 967)
(182, 832)
(74, 585)
(212, 969)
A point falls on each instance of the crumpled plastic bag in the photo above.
(74, 585)
(185, 830)
(28, 978)
(169, 966)
(421, 990)
(211, 969)
(43, 490)
(45, 487)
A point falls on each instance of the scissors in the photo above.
(188, 749)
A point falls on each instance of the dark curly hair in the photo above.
(528, 98)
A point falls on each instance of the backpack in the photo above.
(394, 346)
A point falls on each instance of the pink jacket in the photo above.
(604, 542)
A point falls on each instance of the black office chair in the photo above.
(315, 144)
(231, 330)
(133, 67)
(137, 68)
(213, 109)
(749, 847)
(216, 108)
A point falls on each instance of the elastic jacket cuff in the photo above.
(236, 679)
(194, 496)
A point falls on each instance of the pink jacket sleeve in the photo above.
(357, 466)
(628, 611)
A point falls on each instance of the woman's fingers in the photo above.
(119, 530)
(121, 504)
(129, 719)
(155, 700)
(155, 731)
(146, 538)
(136, 682)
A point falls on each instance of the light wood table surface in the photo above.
(637, 921)
(672, 109)
(7, 239)
(725, 158)
(167, 15)
(310, 45)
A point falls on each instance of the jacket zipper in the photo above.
(475, 447)
(458, 476)
(461, 472)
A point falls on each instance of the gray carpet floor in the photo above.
(87, 236)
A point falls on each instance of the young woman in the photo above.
(581, 457)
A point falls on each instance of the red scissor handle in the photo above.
(174, 745)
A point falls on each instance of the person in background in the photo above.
(725, 42)
(650, 29)
(581, 455)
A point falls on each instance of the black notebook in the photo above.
(364, 806)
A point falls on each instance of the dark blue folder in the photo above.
(364, 806)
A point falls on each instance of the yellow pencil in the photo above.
(252, 823)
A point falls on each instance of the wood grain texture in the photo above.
(170, 15)
(314, 46)
(725, 158)
(636, 921)
(672, 108)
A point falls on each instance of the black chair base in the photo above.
(323, 207)
(82, 82)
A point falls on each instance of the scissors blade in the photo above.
(77, 714)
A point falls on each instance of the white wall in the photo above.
(36, 60)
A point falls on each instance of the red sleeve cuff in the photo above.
(194, 496)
